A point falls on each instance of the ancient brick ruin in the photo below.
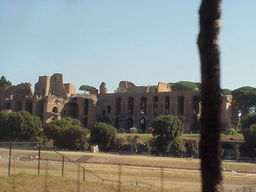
(130, 106)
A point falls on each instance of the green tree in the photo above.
(226, 91)
(246, 121)
(67, 133)
(22, 126)
(248, 126)
(185, 86)
(250, 136)
(4, 115)
(245, 99)
(166, 129)
(4, 82)
(86, 88)
(104, 135)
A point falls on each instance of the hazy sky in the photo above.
(143, 41)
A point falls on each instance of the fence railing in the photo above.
(29, 157)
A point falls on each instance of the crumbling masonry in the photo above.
(130, 106)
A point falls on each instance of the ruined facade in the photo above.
(130, 106)
(138, 106)
(52, 99)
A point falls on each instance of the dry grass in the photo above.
(180, 174)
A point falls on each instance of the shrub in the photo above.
(104, 135)
(20, 126)
(166, 129)
(231, 131)
(67, 133)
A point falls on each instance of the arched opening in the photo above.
(28, 106)
(117, 123)
(143, 124)
(118, 105)
(8, 105)
(86, 106)
(167, 105)
(196, 104)
(155, 106)
(18, 106)
(85, 121)
(129, 122)
(70, 110)
(130, 105)
(55, 110)
(143, 105)
(181, 105)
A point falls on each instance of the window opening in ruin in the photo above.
(85, 121)
(196, 104)
(28, 106)
(118, 105)
(18, 106)
(155, 106)
(55, 110)
(130, 105)
(109, 108)
(143, 106)
(143, 124)
(103, 112)
(181, 105)
(71, 110)
(117, 123)
(8, 105)
(130, 122)
(53, 92)
(167, 105)
(44, 92)
(86, 106)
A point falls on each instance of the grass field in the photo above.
(179, 174)
(147, 137)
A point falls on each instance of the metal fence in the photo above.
(28, 158)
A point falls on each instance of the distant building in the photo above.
(130, 106)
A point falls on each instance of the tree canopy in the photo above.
(86, 88)
(4, 82)
(19, 126)
(185, 86)
(166, 129)
(226, 91)
(104, 135)
(67, 133)
(245, 99)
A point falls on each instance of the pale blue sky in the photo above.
(143, 41)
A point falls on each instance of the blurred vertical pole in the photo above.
(162, 179)
(10, 157)
(46, 177)
(211, 95)
(39, 158)
(14, 175)
(78, 178)
(119, 178)
(62, 168)
(83, 174)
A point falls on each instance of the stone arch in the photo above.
(55, 110)
(196, 104)
(130, 105)
(181, 105)
(155, 106)
(118, 105)
(143, 124)
(129, 122)
(117, 122)
(143, 105)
